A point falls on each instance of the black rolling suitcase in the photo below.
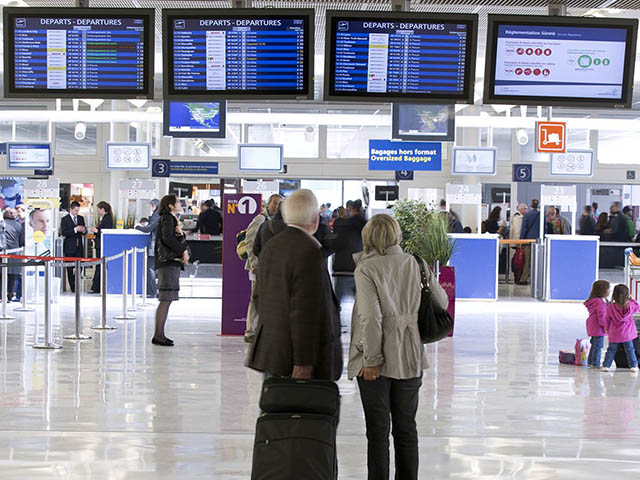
(620, 357)
(296, 433)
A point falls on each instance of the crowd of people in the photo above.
(616, 226)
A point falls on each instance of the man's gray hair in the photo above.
(301, 208)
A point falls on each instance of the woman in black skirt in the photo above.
(171, 254)
(105, 213)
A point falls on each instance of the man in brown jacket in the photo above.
(298, 333)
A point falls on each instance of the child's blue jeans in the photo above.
(628, 350)
(595, 353)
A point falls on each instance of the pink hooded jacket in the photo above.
(620, 324)
(597, 320)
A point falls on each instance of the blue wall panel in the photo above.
(573, 267)
(476, 265)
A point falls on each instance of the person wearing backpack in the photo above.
(251, 265)
(386, 354)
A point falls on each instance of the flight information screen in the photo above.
(250, 55)
(64, 54)
(559, 61)
(400, 58)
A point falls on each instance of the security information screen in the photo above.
(60, 53)
(399, 58)
(248, 55)
(560, 61)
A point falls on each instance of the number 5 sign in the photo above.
(551, 137)
(523, 173)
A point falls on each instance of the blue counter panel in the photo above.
(114, 243)
(572, 267)
(476, 265)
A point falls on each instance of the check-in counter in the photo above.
(612, 253)
(571, 266)
(205, 248)
(475, 260)
(114, 241)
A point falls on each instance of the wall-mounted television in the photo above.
(29, 156)
(400, 56)
(425, 122)
(260, 158)
(473, 161)
(238, 53)
(128, 156)
(572, 163)
(564, 61)
(78, 52)
(195, 119)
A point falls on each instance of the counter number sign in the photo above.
(160, 168)
(522, 173)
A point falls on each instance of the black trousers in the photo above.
(70, 270)
(152, 289)
(391, 403)
(96, 284)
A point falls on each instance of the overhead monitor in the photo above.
(426, 122)
(78, 52)
(400, 56)
(29, 156)
(565, 61)
(128, 156)
(238, 53)
(573, 163)
(473, 161)
(195, 119)
(260, 158)
(181, 190)
(387, 193)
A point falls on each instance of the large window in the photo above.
(300, 141)
(618, 147)
(353, 142)
(66, 143)
(207, 147)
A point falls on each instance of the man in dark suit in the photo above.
(298, 333)
(72, 228)
(210, 221)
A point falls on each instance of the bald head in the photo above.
(522, 208)
(301, 209)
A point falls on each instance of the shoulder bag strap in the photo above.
(423, 274)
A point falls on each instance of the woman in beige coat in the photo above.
(386, 353)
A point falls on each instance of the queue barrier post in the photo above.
(24, 307)
(5, 283)
(78, 335)
(103, 292)
(48, 344)
(125, 287)
(134, 280)
(145, 278)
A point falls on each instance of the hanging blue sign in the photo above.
(160, 167)
(523, 172)
(194, 168)
(388, 155)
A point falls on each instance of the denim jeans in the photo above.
(595, 354)
(628, 350)
(388, 402)
(345, 286)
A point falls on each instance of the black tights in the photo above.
(161, 319)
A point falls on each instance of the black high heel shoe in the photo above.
(162, 343)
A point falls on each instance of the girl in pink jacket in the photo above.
(621, 327)
(596, 322)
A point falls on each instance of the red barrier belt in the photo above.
(50, 259)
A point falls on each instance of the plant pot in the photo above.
(448, 283)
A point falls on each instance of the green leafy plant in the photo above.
(424, 231)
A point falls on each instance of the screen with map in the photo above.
(433, 123)
(195, 119)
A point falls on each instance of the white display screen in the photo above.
(572, 163)
(29, 156)
(128, 156)
(260, 157)
(474, 161)
(560, 61)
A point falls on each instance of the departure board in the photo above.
(410, 57)
(79, 53)
(244, 54)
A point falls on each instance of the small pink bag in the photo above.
(582, 351)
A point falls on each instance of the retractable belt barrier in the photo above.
(78, 263)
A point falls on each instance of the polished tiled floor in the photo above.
(495, 403)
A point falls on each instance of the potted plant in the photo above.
(424, 233)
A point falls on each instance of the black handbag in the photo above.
(434, 322)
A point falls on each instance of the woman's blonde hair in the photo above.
(380, 233)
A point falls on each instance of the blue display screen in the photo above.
(194, 116)
(29, 156)
(239, 55)
(399, 57)
(59, 53)
(560, 61)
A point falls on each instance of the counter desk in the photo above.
(571, 266)
(475, 260)
(114, 241)
(205, 248)
(612, 253)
